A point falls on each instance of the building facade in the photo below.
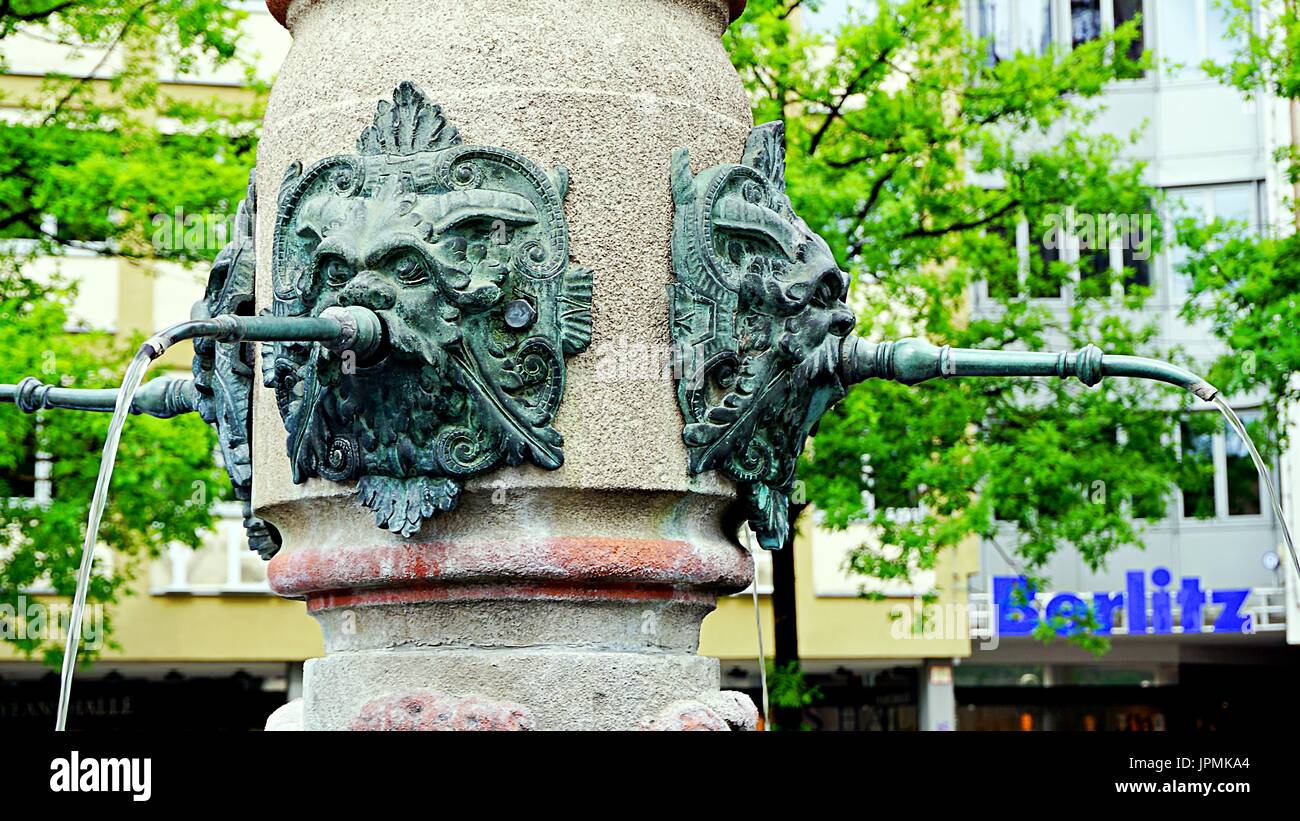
(1200, 617)
(939, 653)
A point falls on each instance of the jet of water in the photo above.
(125, 396)
(1235, 422)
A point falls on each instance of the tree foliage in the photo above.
(1245, 279)
(916, 157)
(87, 165)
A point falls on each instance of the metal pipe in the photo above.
(338, 329)
(161, 398)
(912, 361)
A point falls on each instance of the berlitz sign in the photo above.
(1135, 609)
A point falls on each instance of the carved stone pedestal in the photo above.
(500, 615)
(546, 599)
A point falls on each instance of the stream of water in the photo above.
(1235, 422)
(125, 396)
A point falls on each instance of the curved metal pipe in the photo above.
(338, 329)
(912, 361)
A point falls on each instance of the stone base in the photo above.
(539, 689)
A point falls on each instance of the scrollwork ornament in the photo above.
(439, 239)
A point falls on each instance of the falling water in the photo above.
(1236, 424)
(125, 396)
(758, 627)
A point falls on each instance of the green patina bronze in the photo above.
(463, 253)
(757, 320)
(223, 371)
(764, 338)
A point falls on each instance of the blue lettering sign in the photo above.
(1017, 615)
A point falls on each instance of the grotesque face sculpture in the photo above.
(223, 371)
(462, 251)
(758, 318)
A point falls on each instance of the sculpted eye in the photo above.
(409, 268)
(337, 271)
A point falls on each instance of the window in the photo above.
(1013, 26)
(1238, 203)
(1217, 476)
(1197, 475)
(1107, 252)
(1124, 11)
(993, 23)
(1137, 267)
(1085, 21)
(19, 480)
(1035, 29)
(1191, 32)
(1001, 268)
(1094, 264)
(1045, 277)
(1243, 478)
(1032, 26)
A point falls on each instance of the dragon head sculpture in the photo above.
(758, 320)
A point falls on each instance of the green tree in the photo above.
(1245, 279)
(89, 164)
(916, 155)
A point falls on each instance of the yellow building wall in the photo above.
(851, 628)
(214, 628)
(226, 628)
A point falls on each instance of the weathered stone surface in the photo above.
(431, 711)
(577, 591)
(686, 715)
(563, 689)
(718, 711)
(735, 708)
(286, 718)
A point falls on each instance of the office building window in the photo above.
(1191, 32)
(1095, 274)
(993, 24)
(1085, 21)
(1046, 277)
(1108, 259)
(1013, 26)
(1137, 266)
(1035, 26)
(1001, 268)
(1124, 11)
(18, 481)
(1243, 479)
(1237, 203)
(1196, 480)
(1009, 27)
(1217, 476)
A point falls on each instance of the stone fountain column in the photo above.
(566, 599)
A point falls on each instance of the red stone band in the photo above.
(280, 9)
(573, 563)
(524, 591)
